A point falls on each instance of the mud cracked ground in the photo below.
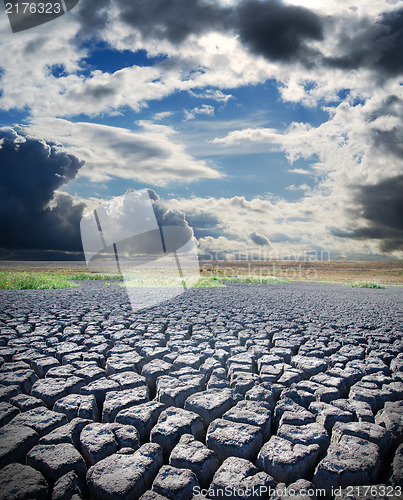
(221, 391)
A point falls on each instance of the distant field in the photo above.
(386, 272)
(335, 271)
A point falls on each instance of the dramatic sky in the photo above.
(275, 127)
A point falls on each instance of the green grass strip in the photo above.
(366, 284)
(32, 281)
(208, 282)
(95, 276)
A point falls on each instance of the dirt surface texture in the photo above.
(248, 391)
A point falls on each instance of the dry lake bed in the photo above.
(271, 391)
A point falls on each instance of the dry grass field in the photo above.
(334, 271)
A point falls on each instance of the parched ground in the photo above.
(243, 391)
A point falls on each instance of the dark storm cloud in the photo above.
(377, 45)
(269, 28)
(259, 239)
(32, 215)
(388, 142)
(277, 31)
(382, 206)
(172, 20)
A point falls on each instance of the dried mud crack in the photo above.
(223, 392)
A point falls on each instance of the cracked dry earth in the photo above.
(244, 388)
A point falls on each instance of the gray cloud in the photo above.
(388, 142)
(382, 206)
(375, 44)
(172, 20)
(259, 239)
(33, 216)
(278, 31)
(270, 28)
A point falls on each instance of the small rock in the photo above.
(176, 484)
(352, 352)
(397, 468)
(327, 415)
(126, 436)
(288, 411)
(56, 460)
(253, 413)
(341, 384)
(301, 489)
(97, 442)
(7, 413)
(69, 433)
(15, 442)
(21, 482)
(309, 365)
(99, 388)
(24, 379)
(40, 419)
(173, 392)
(25, 402)
(286, 461)
(128, 380)
(49, 390)
(391, 417)
(78, 405)
(115, 401)
(185, 360)
(306, 434)
(262, 394)
(236, 476)
(300, 417)
(365, 430)
(235, 439)
(90, 373)
(120, 477)
(52, 389)
(143, 416)
(327, 394)
(68, 487)
(211, 404)
(291, 376)
(301, 397)
(350, 461)
(153, 495)
(364, 394)
(8, 392)
(42, 365)
(172, 424)
(194, 455)
(362, 411)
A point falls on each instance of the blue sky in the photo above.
(274, 127)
